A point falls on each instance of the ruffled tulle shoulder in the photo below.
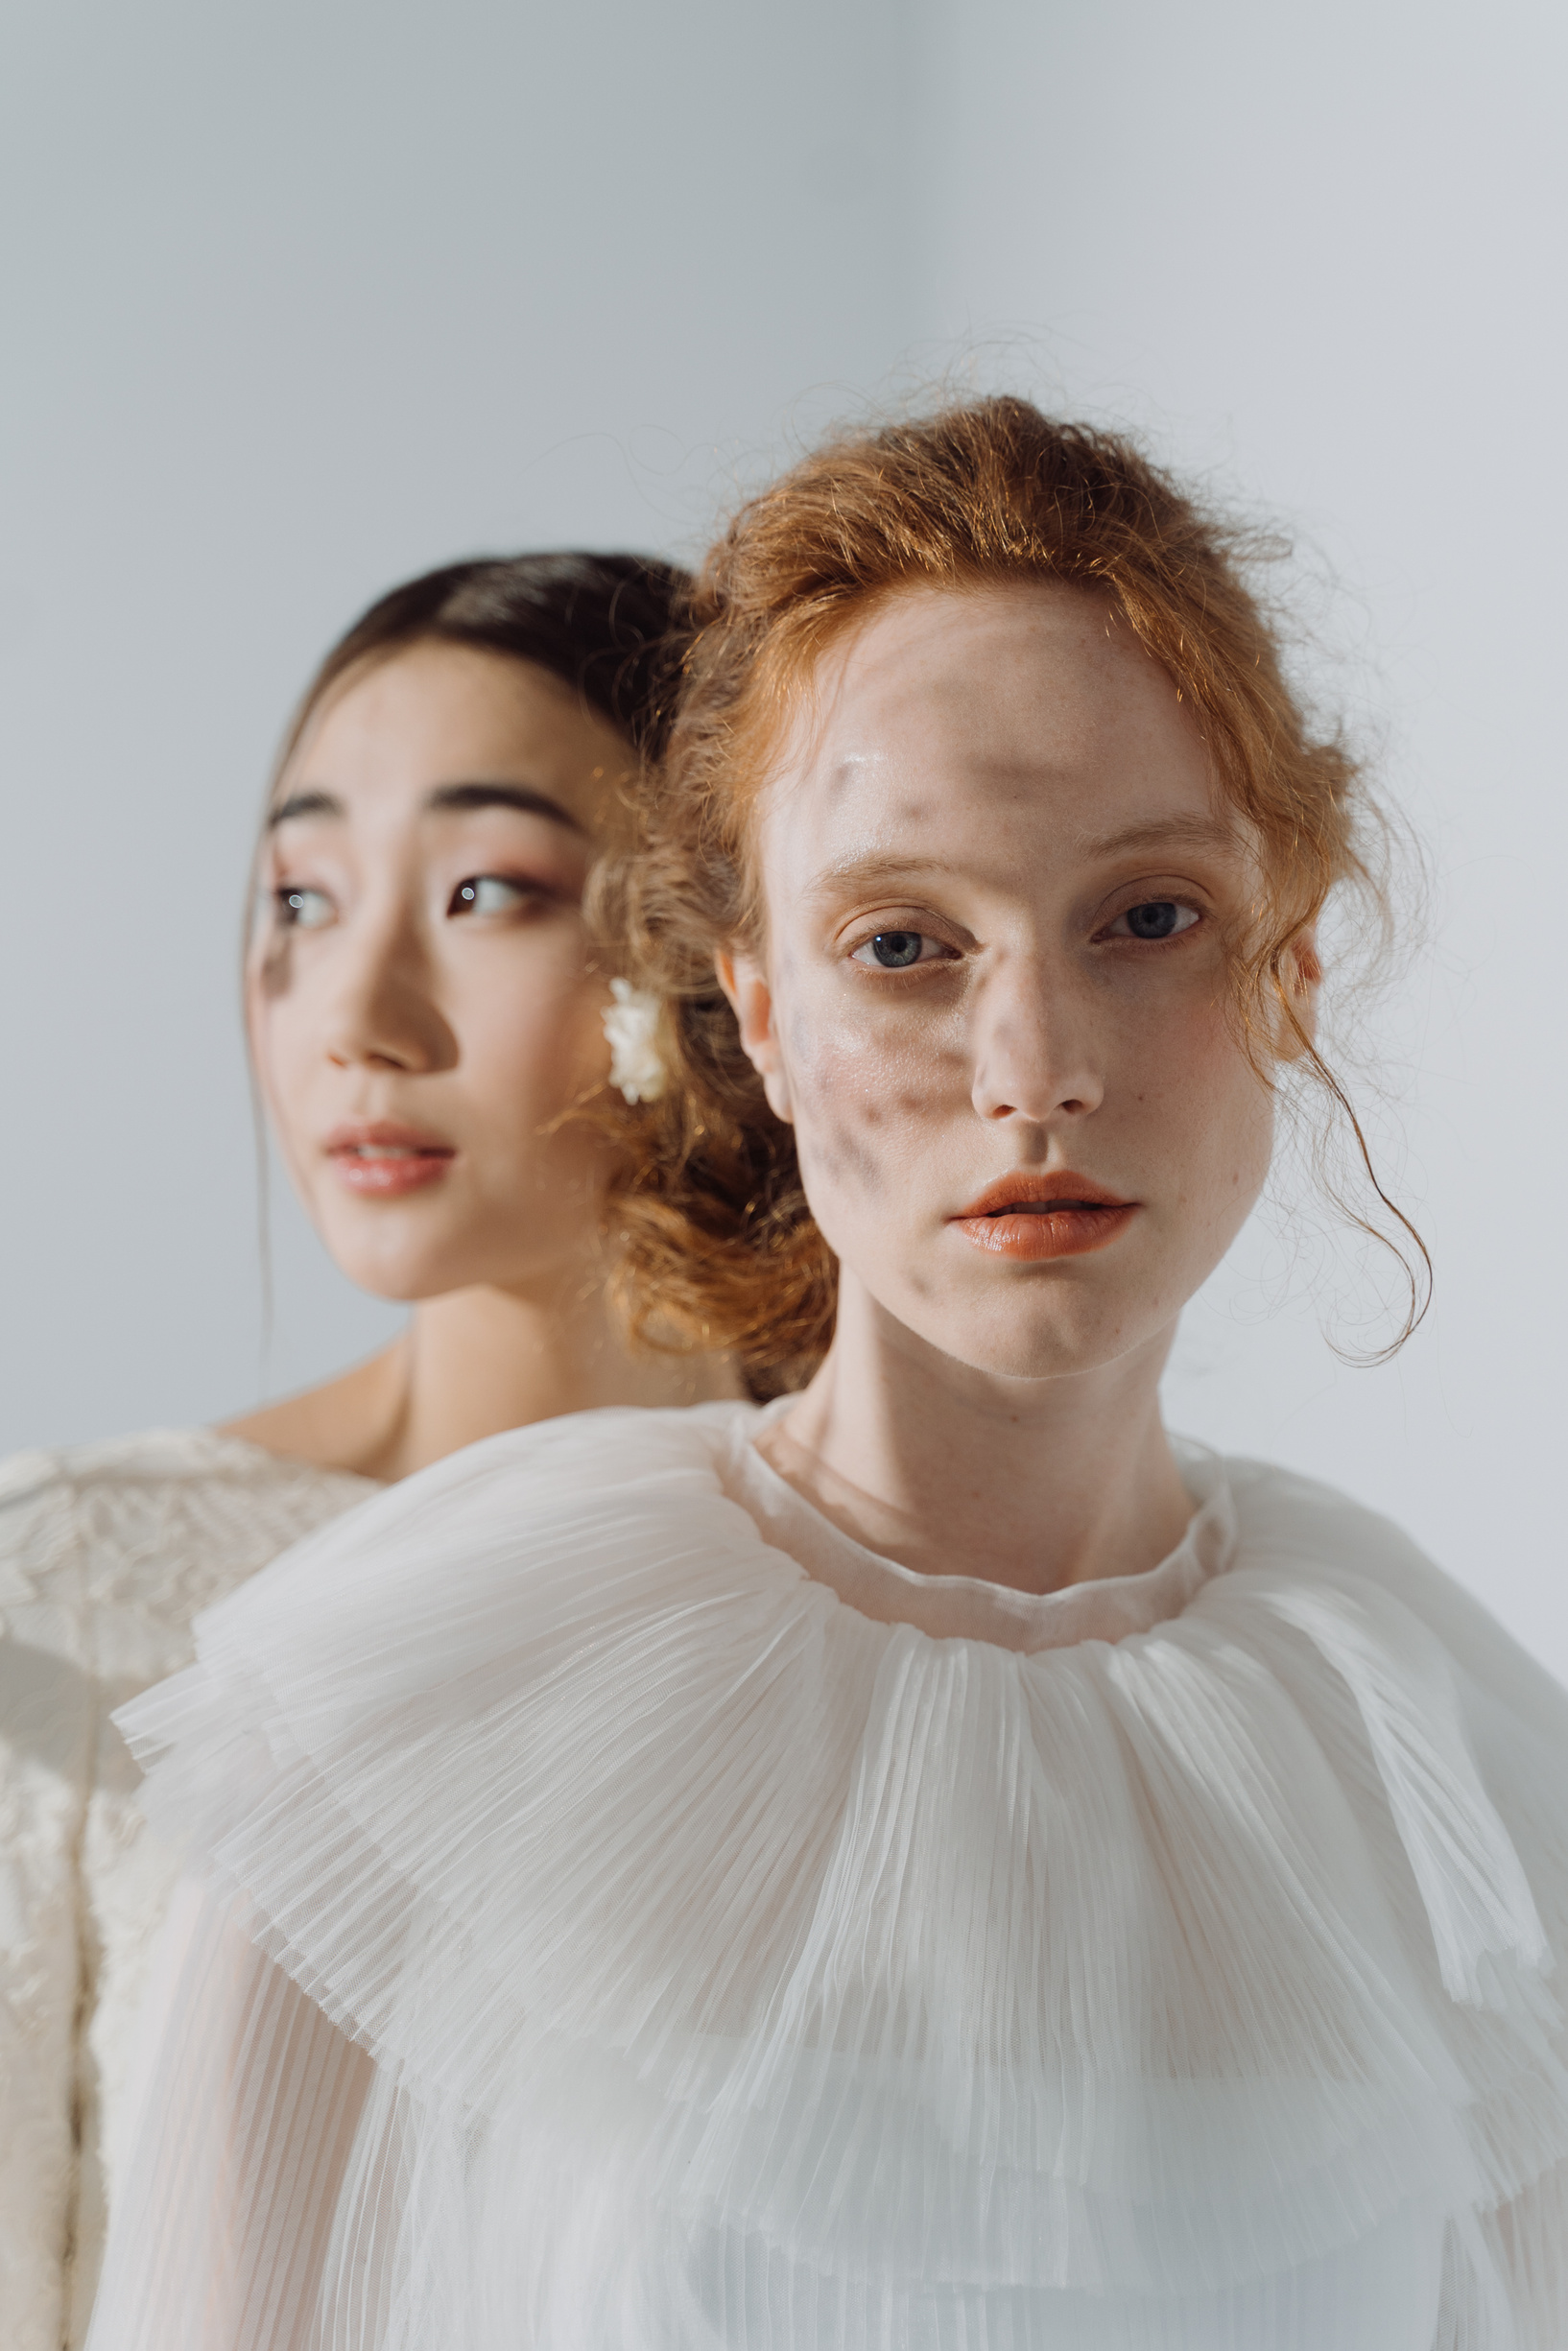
(741, 1970)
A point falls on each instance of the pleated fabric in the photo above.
(602, 1937)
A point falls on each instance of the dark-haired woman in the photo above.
(425, 1018)
(931, 1865)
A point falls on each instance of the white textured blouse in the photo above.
(638, 1919)
(106, 1552)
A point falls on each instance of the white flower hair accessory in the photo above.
(631, 1026)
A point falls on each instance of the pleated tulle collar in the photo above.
(741, 1972)
(967, 1607)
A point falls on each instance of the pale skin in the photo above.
(425, 1018)
(1005, 775)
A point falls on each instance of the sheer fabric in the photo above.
(740, 1969)
(251, 2102)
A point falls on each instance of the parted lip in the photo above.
(1027, 1188)
(387, 1135)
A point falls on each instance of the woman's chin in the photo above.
(1054, 1340)
(410, 1268)
(401, 1267)
(398, 1286)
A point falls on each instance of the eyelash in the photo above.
(286, 903)
(1137, 906)
(288, 897)
(1107, 931)
(473, 883)
(900, 930)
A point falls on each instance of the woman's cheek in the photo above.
(543, 1060)
(281, 1056)
(1224, 1115)
(866, 1093)
(537, 1027)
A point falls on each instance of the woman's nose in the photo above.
(1035, 1045)
(382, 1013)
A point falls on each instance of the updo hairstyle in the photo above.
(718, 1246)
(602, 623)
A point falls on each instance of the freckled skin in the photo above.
(1039, 1048)
(1030, 773)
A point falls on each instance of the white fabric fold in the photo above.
(743, 1969)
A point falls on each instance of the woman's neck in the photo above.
(1033, 1484)
(469, 1365)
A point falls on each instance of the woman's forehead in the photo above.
(433, 714)
(1032, 706)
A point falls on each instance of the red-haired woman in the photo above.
(929, 1861)
(425, 1018)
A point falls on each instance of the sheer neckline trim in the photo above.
(960, 1607)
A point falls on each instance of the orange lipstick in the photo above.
(1031, 1216)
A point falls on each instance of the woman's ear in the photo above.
(1301, 976)
(745, 983)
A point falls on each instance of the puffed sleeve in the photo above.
(246, 2114)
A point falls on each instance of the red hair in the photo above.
(719, 1245)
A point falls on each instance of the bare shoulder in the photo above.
(347, 1424)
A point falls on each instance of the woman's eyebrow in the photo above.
(1162, 832)
(871, 874)
(304, 804)
(523, 798)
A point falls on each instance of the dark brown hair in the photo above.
(719, 1243)
(600, 623)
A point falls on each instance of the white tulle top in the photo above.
(966, 1607)
(668, 1926)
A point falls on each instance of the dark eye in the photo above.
(302, 910)
(485, 894)
(896, 950)
(1155, 919)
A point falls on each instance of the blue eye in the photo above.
(896, 950)
(1156, 918)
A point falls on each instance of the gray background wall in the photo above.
(300, 300)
